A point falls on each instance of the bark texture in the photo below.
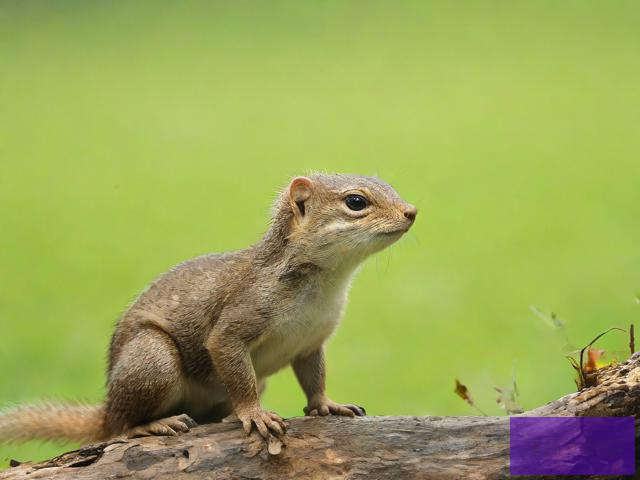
(339, 448)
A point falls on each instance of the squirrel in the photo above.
(198, 344)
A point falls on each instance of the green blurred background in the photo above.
(135, 135)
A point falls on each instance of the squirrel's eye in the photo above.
(356, 202)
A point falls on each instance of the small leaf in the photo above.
(592, 360)
(463, 392)
(587, 376)
(507, 397)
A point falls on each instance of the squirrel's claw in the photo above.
(264, 422)
(329, 407)
(357, 409)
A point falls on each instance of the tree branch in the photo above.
(331, 447)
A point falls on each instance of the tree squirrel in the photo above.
(198, 344)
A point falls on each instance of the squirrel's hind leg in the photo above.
(145, 388)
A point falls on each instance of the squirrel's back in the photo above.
(184, 303)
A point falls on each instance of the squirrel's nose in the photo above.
(410, 213)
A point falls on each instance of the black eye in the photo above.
(356, 202)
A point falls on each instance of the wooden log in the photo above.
(338, 448)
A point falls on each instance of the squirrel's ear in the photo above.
(299, 193)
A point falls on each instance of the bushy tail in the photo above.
(52, 421)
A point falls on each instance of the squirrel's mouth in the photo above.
(397, 231)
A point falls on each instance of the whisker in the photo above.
(415, 238)
(388, 260)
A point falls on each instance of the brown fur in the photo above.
(46, 421)
(203, 337)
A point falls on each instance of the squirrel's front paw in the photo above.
(264, 421)
(324, 407)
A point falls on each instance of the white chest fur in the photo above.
(303, 328)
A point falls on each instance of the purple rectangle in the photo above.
(572, 446)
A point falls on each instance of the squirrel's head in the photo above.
(337, 218)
